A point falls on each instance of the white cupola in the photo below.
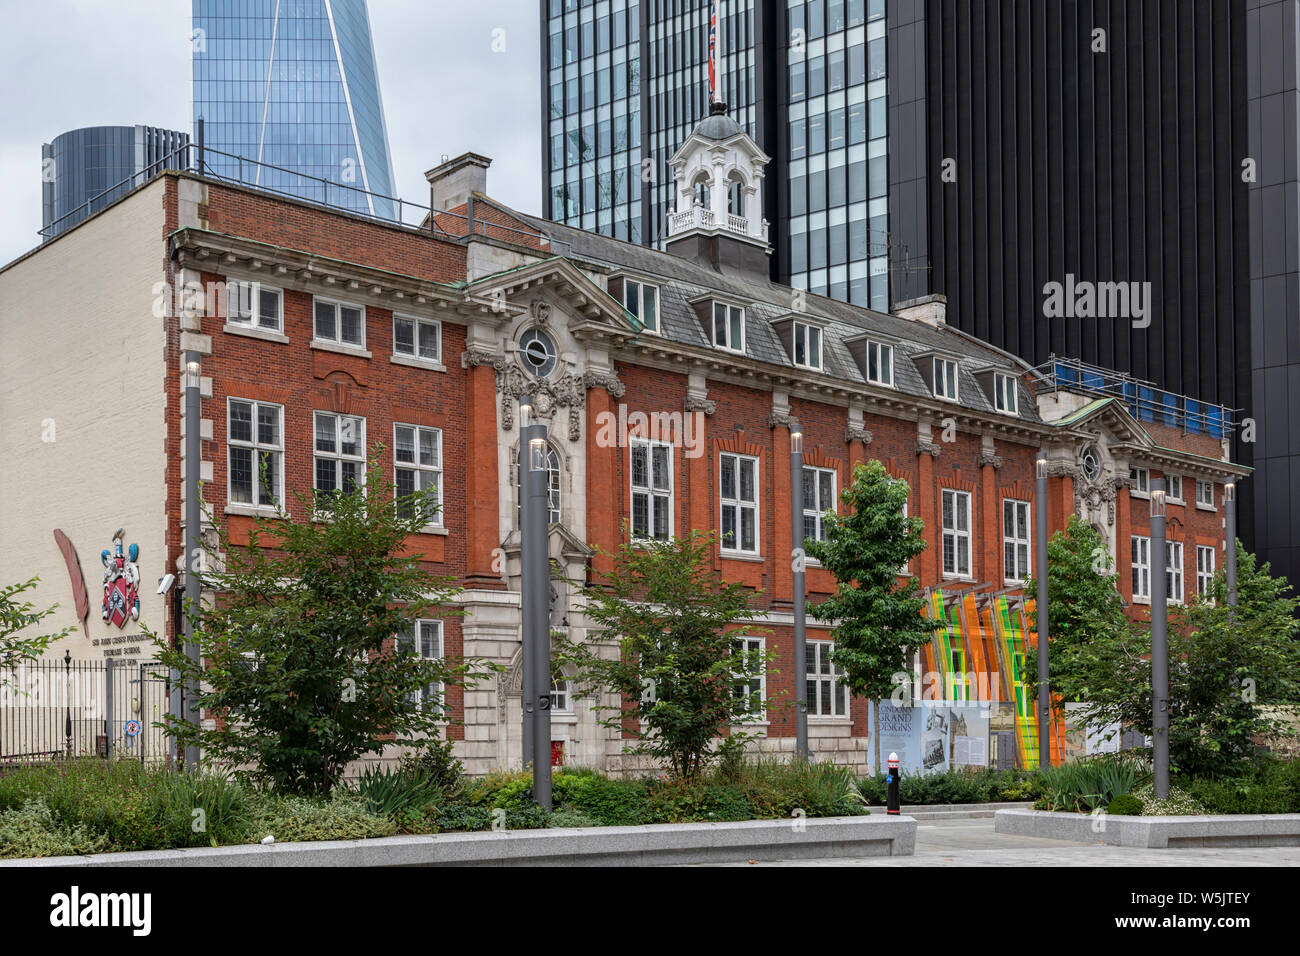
(718, 173)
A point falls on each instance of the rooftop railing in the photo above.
(303, 187)
(1145, 400)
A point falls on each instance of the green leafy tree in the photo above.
(1089, 635)
(16, 616)
(679, 676)
(299, 659)
(878, 621)
(1230, 669)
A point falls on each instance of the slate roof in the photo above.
(681, 280)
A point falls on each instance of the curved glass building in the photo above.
(292, 86)
(84, 170)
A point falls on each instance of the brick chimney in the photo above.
(451, 183)
(930, 309)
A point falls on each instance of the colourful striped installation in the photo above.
(979, 635)
(949, 649)
(1009, 624)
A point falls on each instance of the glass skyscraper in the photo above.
(293, 84)
(627, 81)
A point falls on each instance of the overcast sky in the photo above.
(65, 64)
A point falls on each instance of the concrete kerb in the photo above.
(810, 838)
(1234, 830)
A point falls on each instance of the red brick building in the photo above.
(669, 381)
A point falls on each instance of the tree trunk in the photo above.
(875, 741)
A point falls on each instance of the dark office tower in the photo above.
(1040, 151)
(292, 85)
(84, 170)
(1274, 112)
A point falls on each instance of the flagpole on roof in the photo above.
(715, 54)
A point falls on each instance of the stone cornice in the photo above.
(283, 267)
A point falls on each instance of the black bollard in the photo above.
(892, 780)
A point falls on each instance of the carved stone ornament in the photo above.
(569, 391)
(540, 310)
(927, 448)
(510, 685)
(1063, 469)
(606, 380)
(858, 433)
(697, 403)
(994, 460)
(778, 420)
(1091, 496)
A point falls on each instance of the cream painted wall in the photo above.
(82, 362)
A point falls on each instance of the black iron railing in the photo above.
(61, 707)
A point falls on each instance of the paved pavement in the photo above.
(974, 843)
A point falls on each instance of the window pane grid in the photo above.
(417, 459)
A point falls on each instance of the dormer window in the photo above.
(880, 363)
(807, 346)
(1005, 394)
(642, 300)
(945, 379)
(728, 327)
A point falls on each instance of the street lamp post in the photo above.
(534, 604)
(526, 699)
(1159, 642)
(797, 564)
(193, 542)
(1044, 681)
(1230, 540)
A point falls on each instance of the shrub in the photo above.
(572, 818)
(501, 788)
(293, 819)
(32, 831)
(613, 803)
(394, 793)
(679, 802)
(1269, 786)
(730, 757)
(1086, 785)
(463, 816)
(960, 785)
(1179, 804)
(436, 762)
(1125, 805)
(223, 802)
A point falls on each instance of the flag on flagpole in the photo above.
(713, 52)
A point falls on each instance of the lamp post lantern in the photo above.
(797, 562)
(1044, 681)
(1230, 540)
(1159, 642)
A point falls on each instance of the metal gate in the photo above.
(65, 707)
